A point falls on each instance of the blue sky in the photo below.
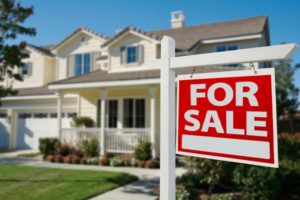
(55, 19)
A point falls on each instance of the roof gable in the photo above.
(130, 30)
(76, 33)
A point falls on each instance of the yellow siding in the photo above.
(49, 70)
(37, 74)
(130, 40)
(91, 44)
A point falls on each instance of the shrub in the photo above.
(92, 161)
(104, 161)
(64, 149)
(83, 161)
(182, 194)
(133, 162)
(141, 163)
(152, 164)
(86, 122)
(51, 158)
(68, 159)
(91, 148)
(256, 182)
(143, 151)
(116, 161)
(59, 159)
(127, 160)
(47, 146)
(75, 159)
(289, 147)
(213, 173)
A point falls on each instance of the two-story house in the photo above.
(107, 79)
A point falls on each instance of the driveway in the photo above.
(145, 188)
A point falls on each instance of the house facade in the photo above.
(108, 80)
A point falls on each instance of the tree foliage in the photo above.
(286, 91)
(12, 17)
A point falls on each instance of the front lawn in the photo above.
(30, 183)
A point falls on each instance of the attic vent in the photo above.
(177, 19)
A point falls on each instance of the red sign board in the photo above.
(228, 116)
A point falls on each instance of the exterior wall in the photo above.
(49, 70)
(36, 78)
(208, 48)
(74, 46)
(150, 49)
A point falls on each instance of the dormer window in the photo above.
(82, 64)
(25, 69)
(132, 54)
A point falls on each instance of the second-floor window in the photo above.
(132, 54)
(227, 48)
(82, 64)
(25, 69)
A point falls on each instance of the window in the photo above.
(82, 63)
(112, 113)
(134, 113)
(132, 55)
(25, 69)
(228, 48)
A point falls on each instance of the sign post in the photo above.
(168, 63)
(167, 121)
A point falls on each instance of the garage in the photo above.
(4, 135)
(31, 126)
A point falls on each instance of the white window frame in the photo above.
(226, 47)
(82, 62)
(29, 70)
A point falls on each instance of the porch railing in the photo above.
(115, 140)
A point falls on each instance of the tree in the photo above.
(286, 91)
(12, 16)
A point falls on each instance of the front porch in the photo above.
(123, 117)
(115, 140)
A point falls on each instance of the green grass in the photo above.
(32, 183)
(29, 155)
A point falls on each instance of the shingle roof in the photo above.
(77, 31)
(42, 50)
(187, 37)
(104, 76)
(35, 91)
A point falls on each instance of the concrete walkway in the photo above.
(142, 189)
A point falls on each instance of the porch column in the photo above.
(152, 93)
(103, 94)
(59, 96)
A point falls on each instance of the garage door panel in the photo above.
(33, 126)
(4, 135)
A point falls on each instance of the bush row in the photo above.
(250, 181)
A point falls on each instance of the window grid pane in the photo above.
(78, 64)
(128, 113)
(87, 63)
(131, 54)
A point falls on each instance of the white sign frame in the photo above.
(228, 74)
(167, 64)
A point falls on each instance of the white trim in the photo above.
(231, 39)
(259, 54)
(133, 33)
(105, 84)
(53, 96)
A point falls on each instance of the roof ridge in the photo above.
(212, 23)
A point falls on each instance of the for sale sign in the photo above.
(228, 116)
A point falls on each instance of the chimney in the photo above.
(177, 19)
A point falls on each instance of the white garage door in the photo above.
(34, 125)
(4, 135)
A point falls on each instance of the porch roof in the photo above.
(100, 76)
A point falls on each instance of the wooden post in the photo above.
(167, 123)
(152, 93)
(103, 93)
